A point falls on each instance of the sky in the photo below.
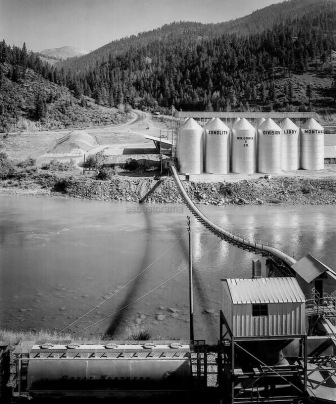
(90, 24)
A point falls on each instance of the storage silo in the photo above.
(217, 154)
(260, 121)
(269, 147)
(243, 156)
(312, 145)
(290, 145)
(190, 147)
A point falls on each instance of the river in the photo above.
(59, 258)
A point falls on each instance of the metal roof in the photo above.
(330, 139)
(265, 290)
(309, 268)
(249, 114)
(216, 124)
(312, 124)
(190, 124)
(329, 152)
(288, 124)
(242, 124)
(269, 124)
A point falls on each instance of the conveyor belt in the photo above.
(239, 242)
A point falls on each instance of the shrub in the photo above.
(131, 164)
(95, 160)
(61, 185)
(6, 166)
(29, 162)
(55, 165)
(105, 174)
(142, 335)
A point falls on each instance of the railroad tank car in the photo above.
(243, 149)
(312, 145)
(290, 145)
(56, 370)
(190, 147)
(217, 154)
(269, 147)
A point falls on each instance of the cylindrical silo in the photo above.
(217, 154)
(269, 147)
(190, 147)
(312, 145)
(260, 121)
(290, 145)
(243, 156)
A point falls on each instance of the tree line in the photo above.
(228, 72)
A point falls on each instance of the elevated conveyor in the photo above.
(279, 257)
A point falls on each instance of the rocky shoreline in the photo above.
(268, 191)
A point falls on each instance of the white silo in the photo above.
(269, 147)
(312, 145)
(260, 121)
(243, 156)
(217, 154)
(290, 145)
(190, 147)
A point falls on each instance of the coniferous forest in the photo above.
(191, 66)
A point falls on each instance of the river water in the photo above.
(59, 258)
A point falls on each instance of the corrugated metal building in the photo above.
(314, 276)
(264, 307)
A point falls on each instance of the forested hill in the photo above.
(286, 67)
(194, 32)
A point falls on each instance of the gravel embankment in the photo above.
(278, 190)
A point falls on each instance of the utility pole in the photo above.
(160, 153)
(191, 296)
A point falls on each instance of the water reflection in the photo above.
(91, 249)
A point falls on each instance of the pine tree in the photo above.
(309, 92)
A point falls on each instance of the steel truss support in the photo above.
(258, 382)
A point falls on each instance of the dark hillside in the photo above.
(34, 95)
(289, 67)
(194, 32)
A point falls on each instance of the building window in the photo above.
(259, 310)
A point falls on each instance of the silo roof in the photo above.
(312, 124)
(265, 290)
(242, 124)
(191, 124)
(288, 124)
(216, 124)
(269, 124)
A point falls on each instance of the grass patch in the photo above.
(14, 337)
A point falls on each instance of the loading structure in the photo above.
(282, 261)
(258, 320)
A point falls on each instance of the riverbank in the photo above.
(280, 190)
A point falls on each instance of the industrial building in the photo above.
(246, 143)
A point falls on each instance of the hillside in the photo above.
(34, 103)
(288, 67)
(65, 52)
(195, 32)
(56, 55)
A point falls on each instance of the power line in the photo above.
(146, 294)
(124, 286)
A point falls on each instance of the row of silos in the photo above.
(244, 149)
